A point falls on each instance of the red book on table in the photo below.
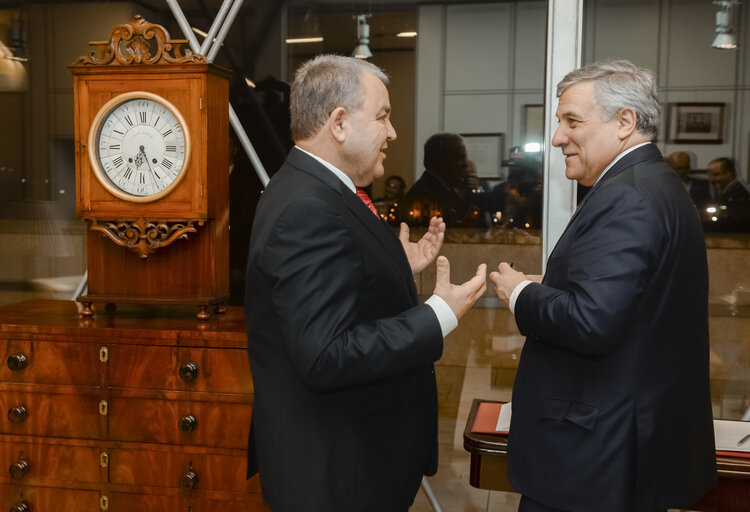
(492, 418)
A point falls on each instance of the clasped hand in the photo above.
(507, 278)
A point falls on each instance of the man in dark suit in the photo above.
(732, 200)
(444, 187)
(611, 403)
(698, 189)
(341, 352)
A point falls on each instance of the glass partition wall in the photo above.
(472, 69)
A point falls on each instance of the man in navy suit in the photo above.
(341, 351)
(611, 403)
(731, 196)
(698, 189)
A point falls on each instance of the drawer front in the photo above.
(179, 470)
(122, 502)
(216, 424)
(43, 499)
(74, 416)
(47, 362)
(48, 464)
(180, 369)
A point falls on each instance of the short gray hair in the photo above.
(621, 84)
(323, 84)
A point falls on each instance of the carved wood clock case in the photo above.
(152, 170)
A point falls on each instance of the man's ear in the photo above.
(626, 120)
(336, 122)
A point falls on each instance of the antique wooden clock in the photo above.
(152, 170)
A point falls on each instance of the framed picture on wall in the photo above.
(486, 151)
(696, 123)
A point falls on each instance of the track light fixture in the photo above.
(362, 51)
(726, 37)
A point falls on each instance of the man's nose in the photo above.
(559, 138)
(391, 131)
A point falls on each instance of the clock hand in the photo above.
(145, 158)
(140, 157)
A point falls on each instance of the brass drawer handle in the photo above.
(189, 371)
(187, 423)
(18, 414)
(17, 362)
(21, 506)
(188, 481)
(19, 469)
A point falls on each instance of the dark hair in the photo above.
(437, 146)
(727, 164)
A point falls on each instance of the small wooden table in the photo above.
(489, 470)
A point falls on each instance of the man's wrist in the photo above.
(516, 292)
(445, 315)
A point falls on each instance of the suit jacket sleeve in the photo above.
(591, 286)
(315, 268)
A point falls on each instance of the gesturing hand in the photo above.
(422, 253)
(460, 298)
(506, 279)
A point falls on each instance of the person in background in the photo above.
(446, 188)
(731, 205)
(395, 188)
(697, 189)
(519, 199)
(611, 402)
(341, 351)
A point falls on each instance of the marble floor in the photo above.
(479, 361)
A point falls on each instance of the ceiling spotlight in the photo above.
(726, 38)
(362, 51)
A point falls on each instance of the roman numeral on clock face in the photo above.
(140, 146)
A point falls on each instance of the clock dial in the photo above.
(139, 146)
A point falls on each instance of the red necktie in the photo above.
(368, 202)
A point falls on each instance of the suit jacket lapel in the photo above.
(380, 231)
(647, 152)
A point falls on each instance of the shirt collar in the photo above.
(335, 170)
(618, 157)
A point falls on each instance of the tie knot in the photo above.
(368, 202)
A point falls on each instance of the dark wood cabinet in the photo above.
(143, 409)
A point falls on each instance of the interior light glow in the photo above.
(406, 34)
(532, 147)
(302, 40)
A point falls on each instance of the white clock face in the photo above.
(140, 147)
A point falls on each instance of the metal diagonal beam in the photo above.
(239, 130)
(224, 30)
(215, 26)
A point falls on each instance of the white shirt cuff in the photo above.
(444, 313)
(516, 292)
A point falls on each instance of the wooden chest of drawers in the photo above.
(139, 410)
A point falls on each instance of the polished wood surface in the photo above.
(41, 499)
(488, 470)
(147, 408)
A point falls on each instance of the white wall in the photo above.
(479, 64)
(673, 38)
